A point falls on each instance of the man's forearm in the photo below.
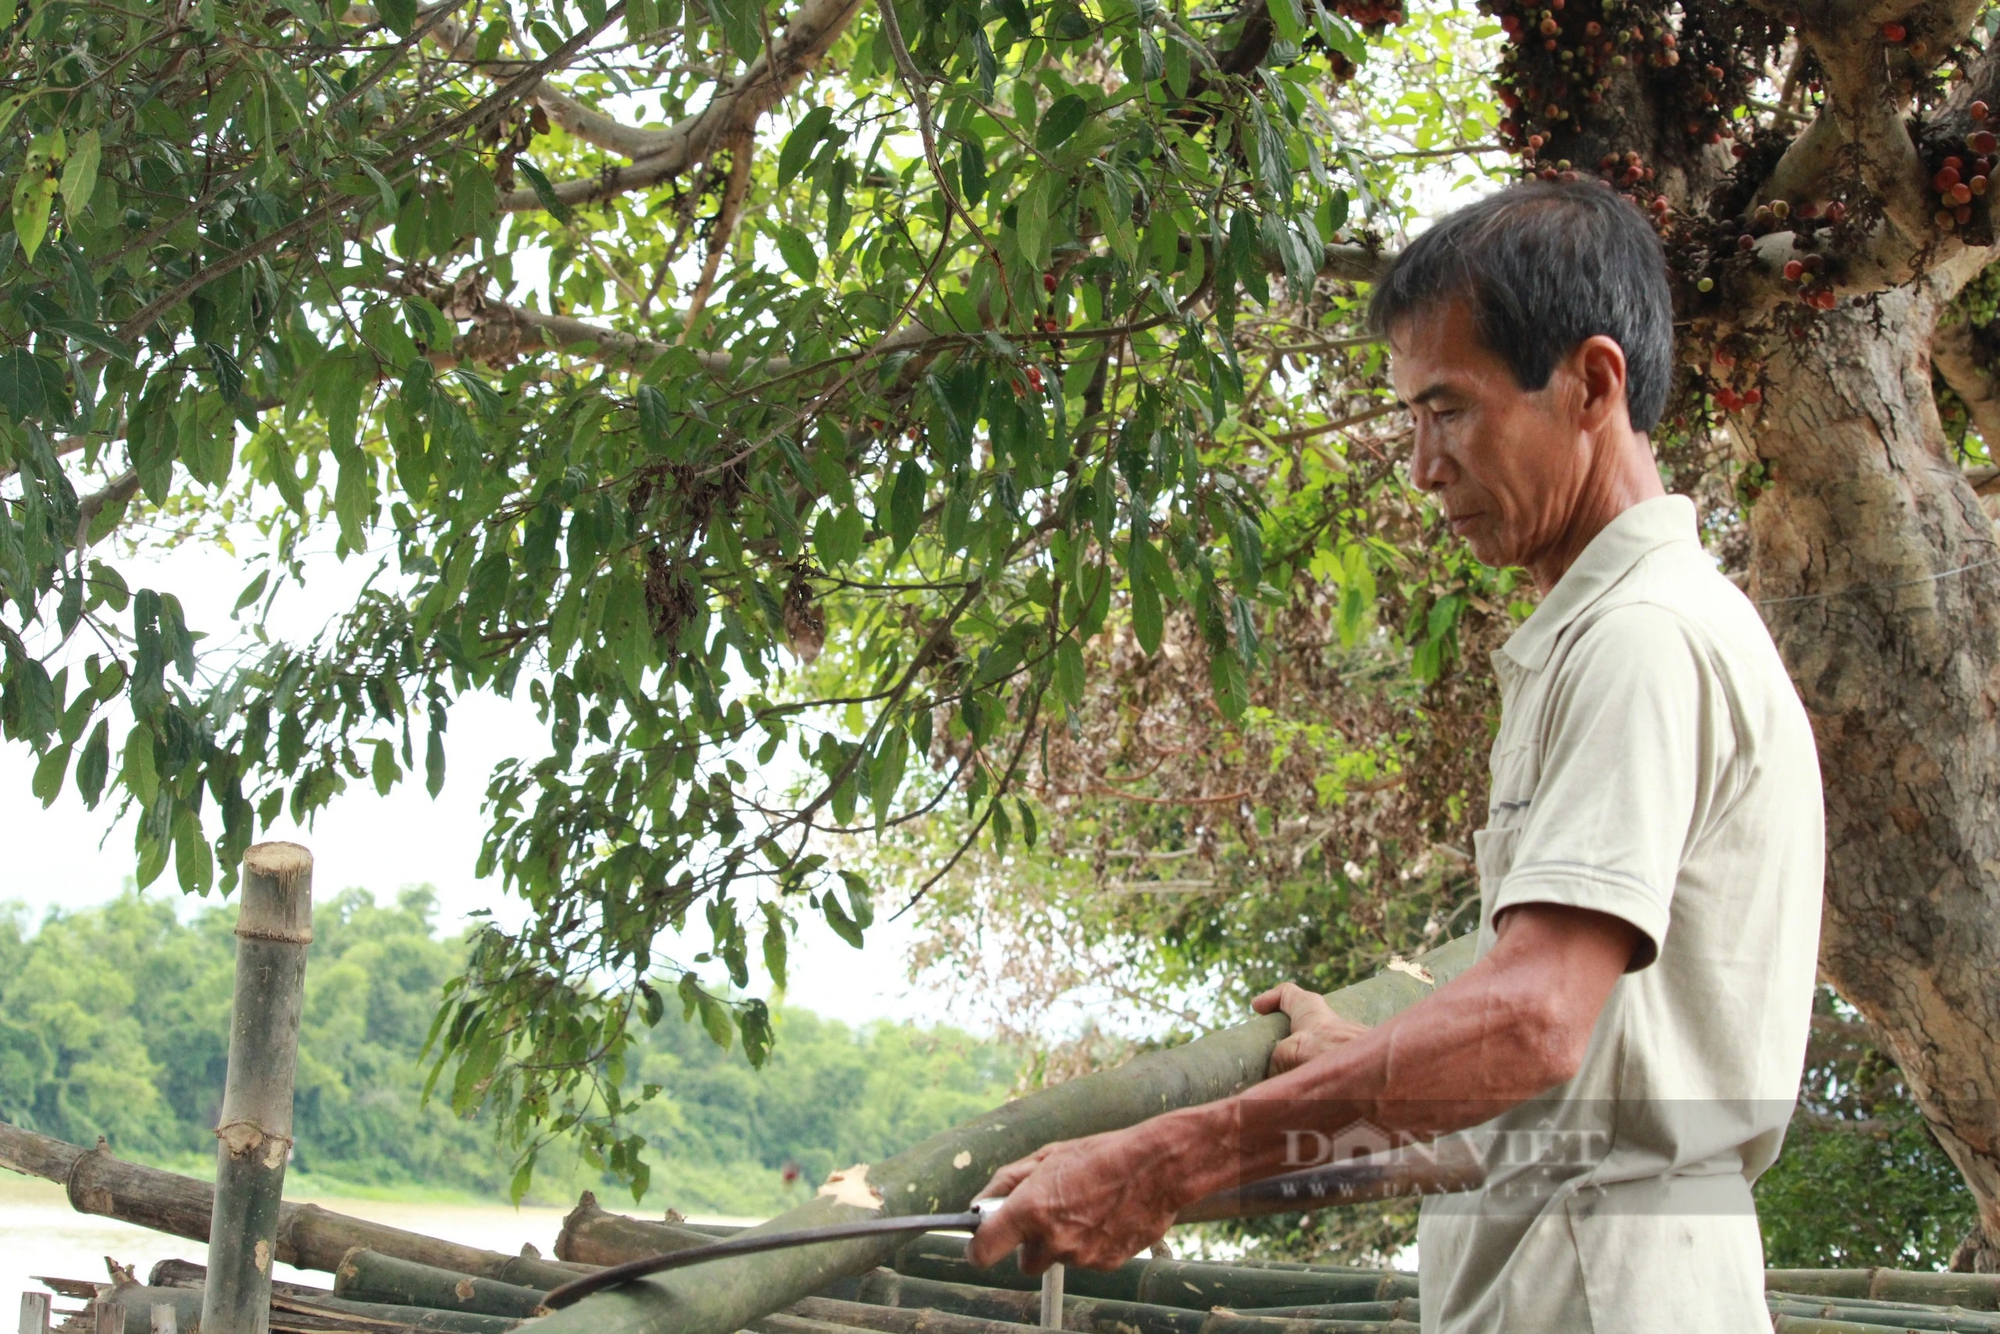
(1512, 1026)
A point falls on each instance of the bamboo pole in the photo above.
(1195, 1284)
(273, 930)
(1977, 1292)
(1899, 1315)
(592, 1236)
(134, 1304)
(309, 1237)
(369, 1276)
(942, 1172)
(1095, 1315)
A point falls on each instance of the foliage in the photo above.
(114, 1022)
(935, 366)
(1862, 1181)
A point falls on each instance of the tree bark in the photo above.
(1875, 567)
(942, 1172)
(254, 1136)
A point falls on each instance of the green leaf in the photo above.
(94, 764)
(1064, 118)
(524, 1175)
(434, 761)
(1069, 671)
(1179, 72)
(799, 144)
(1148, 622)
(79, 176)
(859, 898)
(837, 536)
(33, 195)
(798, 252)
(545, 192)
(228, 375)
(194, 864)
(775, 944)
(754, 1019)
(906, 503)
(21, 384)
(400, 15)
(715, 1018)
(48, 779)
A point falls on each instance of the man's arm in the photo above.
(1512, 1026)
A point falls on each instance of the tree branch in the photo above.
(735, 110)
(734, 191)
(1968, 369)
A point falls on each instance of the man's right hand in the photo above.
(1315, 1027)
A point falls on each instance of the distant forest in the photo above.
(114, 1022)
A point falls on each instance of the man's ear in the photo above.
(1599, 365)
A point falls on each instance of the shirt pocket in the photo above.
(1493, 856)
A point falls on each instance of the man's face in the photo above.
(1507, 465)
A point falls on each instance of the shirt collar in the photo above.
(1621, 544)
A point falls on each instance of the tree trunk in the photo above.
(1875, 568)
(254, 1136)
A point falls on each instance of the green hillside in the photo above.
(113, 1022)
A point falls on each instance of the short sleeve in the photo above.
(1622, 752)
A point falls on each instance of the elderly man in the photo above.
(1650, 869)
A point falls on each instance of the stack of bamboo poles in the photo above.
(928, 1287)
(388, 1281)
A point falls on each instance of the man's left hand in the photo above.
(1093, 1202)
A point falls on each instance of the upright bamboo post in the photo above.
(273, 929)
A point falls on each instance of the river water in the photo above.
(41, 1235)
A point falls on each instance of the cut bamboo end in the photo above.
(277, 894)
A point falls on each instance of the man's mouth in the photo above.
(1461, 523)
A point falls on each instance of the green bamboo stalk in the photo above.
(1097, 1315)
(942, 1173)
(809, 1317)
(1976, 1292)
(369, 1276)
(331, 1313)
(1792, 1324)
(1194, 1284)
(592, 1236)
(1401, 1308)
(273, 929)
(1899, 1315)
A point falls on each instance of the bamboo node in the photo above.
(243, 1138)
(283, 937)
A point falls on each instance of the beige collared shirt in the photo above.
(1653, 763)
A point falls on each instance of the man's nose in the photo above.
(1429, 468)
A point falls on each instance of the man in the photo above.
(1650, 870)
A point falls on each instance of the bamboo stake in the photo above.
(942, 1172)
(273, 929)
(309, 1237)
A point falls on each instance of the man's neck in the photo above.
(1622, 474)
